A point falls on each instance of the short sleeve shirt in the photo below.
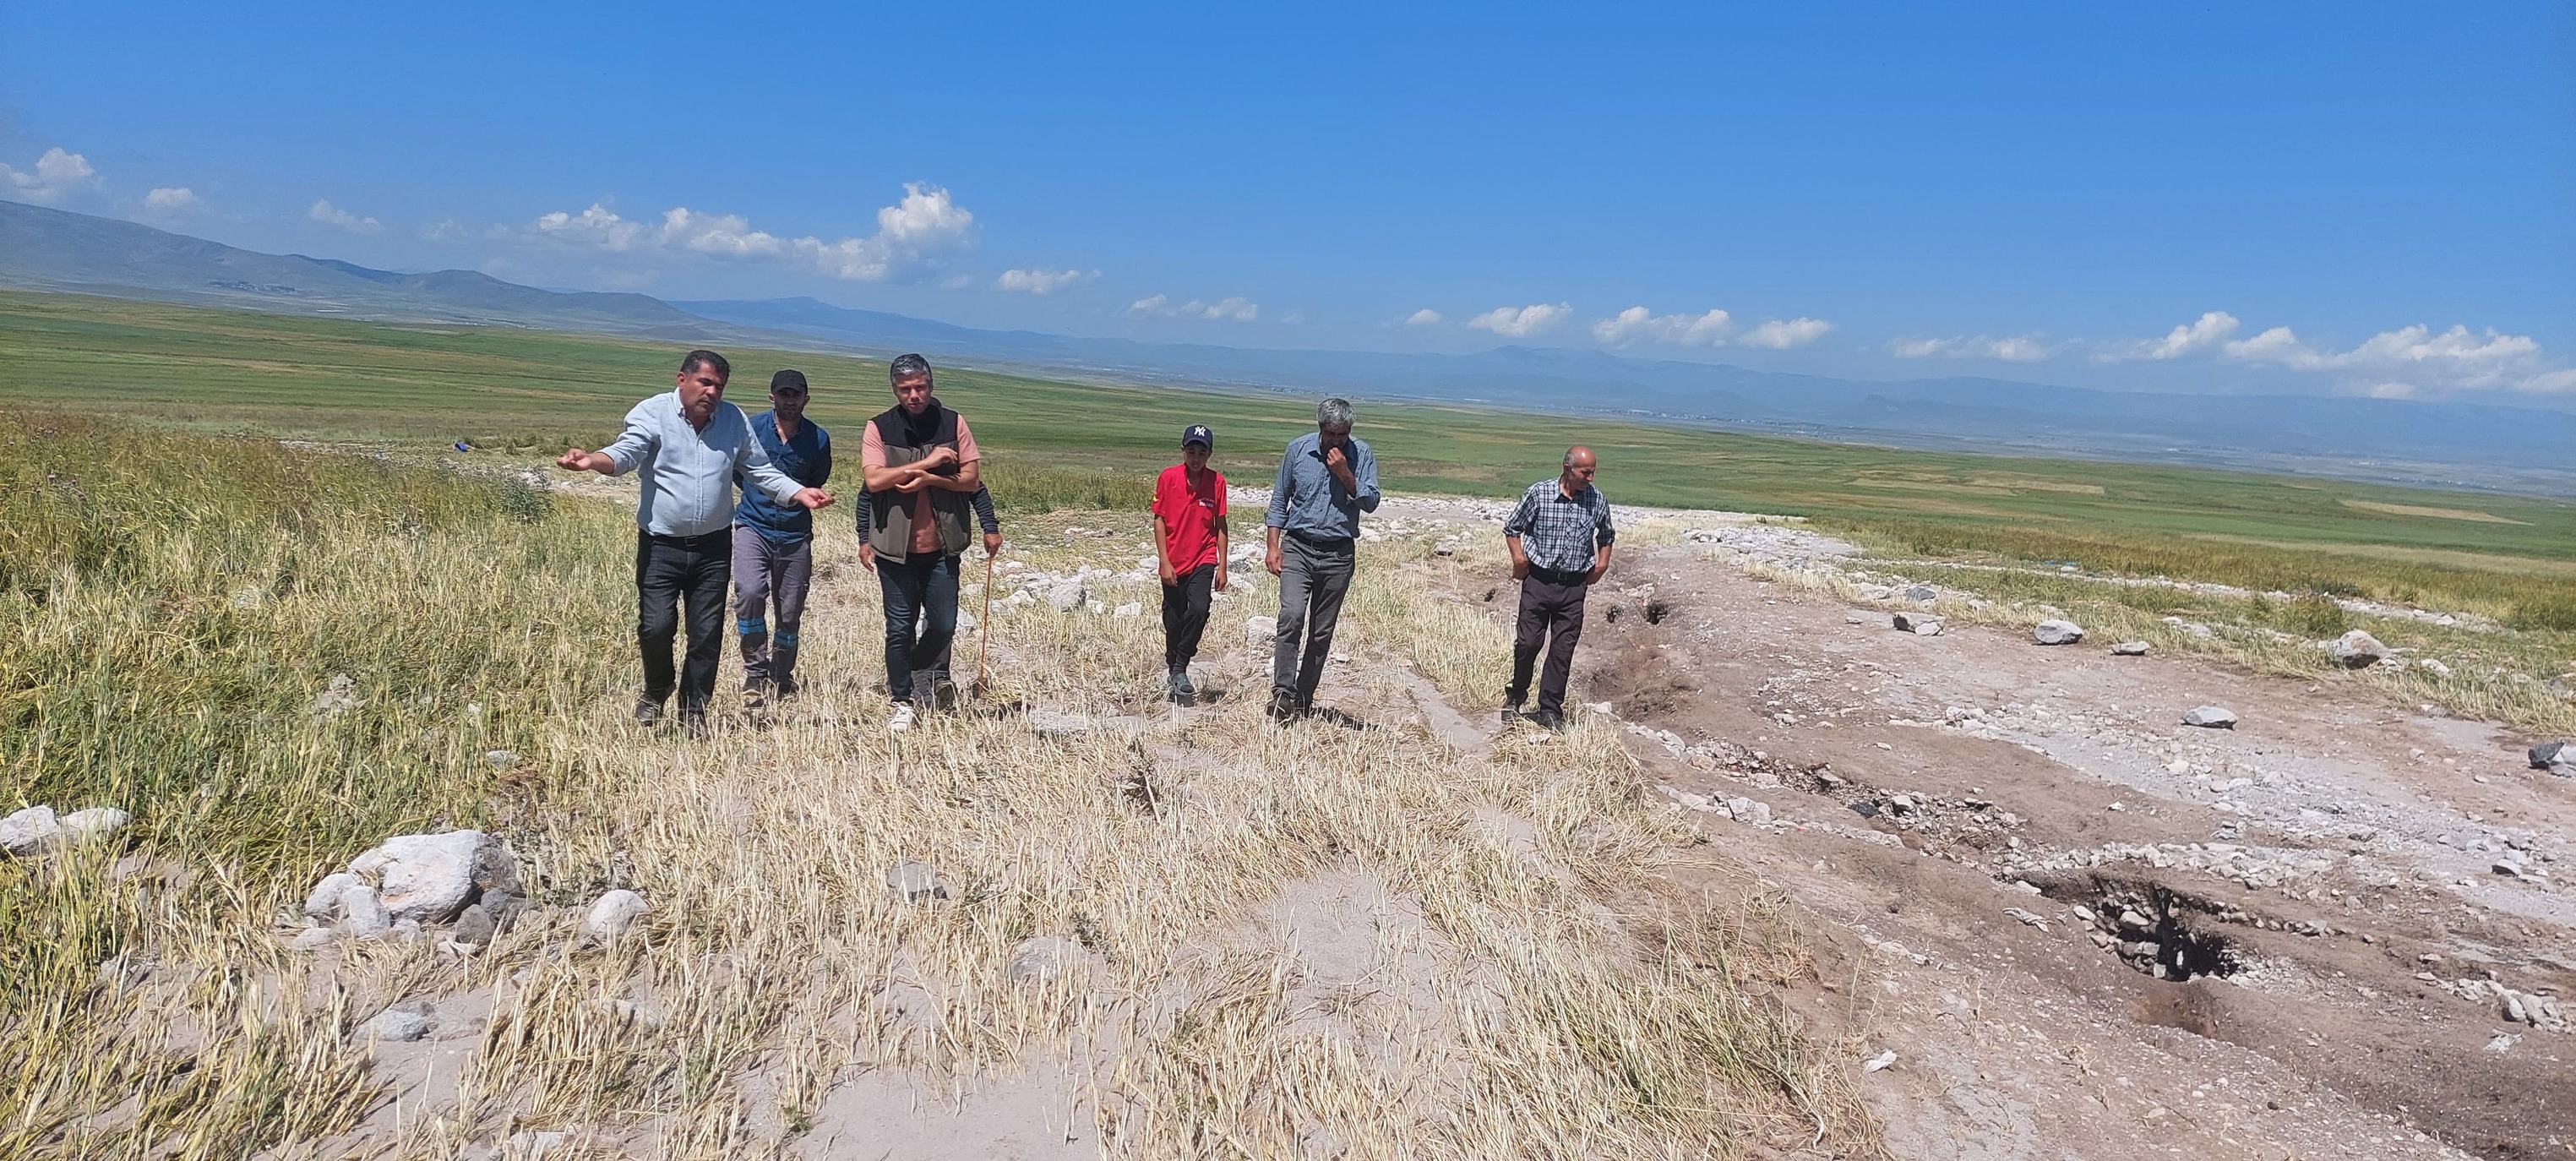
(925, 532)
(1189, 515)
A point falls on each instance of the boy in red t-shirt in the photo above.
(1189, 538)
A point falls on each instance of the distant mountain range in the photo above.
(2447, 444)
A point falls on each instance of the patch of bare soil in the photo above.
(2086, 930)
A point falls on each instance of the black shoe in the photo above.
(1283, 706)
(1511, 706)
(647, 711)
(1180, 681)
(787, 688)
(755, 695)
(943, 692)
(1550, 720)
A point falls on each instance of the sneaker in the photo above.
(901, 723)
(755, 695)
(1511, 707)
(1181, 687)
(1550, 720)
(787, 688)
(647, 711)
(943, 692)
(1283, 705)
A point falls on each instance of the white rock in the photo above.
(1880, 1061)
(398, 1023)
(965, 621)
(2211, 716)
(1045, 960)
(312, 938)
(96, 822)
(2356, 650)
(2434, 667)
(914, 881)
(362, 915)
(501, 759)
(1260, 630)
(1068, 596)
(429, 877)
(324, 902)
(612, 913)
(2055, 632)
(2129, 649)
(1919, 624)
(29, 831)
(1130, 609)
(339, 698)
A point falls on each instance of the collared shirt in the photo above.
(806, 459)
(1558, 531)
(688, 474)
(1308, 499)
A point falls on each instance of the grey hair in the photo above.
(1334, 412)
(908, 367)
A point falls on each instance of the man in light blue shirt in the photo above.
(1325, 481)
(688, 445)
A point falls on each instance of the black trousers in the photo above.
(1185, 614)
(920, 617)
(672, 572)
(1551, 614)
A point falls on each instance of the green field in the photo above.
(520, 392)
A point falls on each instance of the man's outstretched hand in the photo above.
(577, 460)
(813, 499)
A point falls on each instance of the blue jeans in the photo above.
(920, 596)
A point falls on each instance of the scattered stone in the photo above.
(1921, 593)
(1069, 596)
(1045, 959)
(2027, 918)
(1857, 617)
(474, 925)
(2558, 758)
(613, 913)
(324, 902)
(2054, 632)
(362, 915)
(2211, 717)
(96, 822)
(501, 759)
(30, 831)
(1879, 1062)
(1919, 624)
(2356, 650)
(2129, 649)
(1130, 609)
(430, 877)
(338, 699)
(402, 1022)
(1260, 630)
(2509, 868)
(312, 939)
(913, 881)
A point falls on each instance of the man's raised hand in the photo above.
(813, 499)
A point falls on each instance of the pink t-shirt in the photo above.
(925, 532)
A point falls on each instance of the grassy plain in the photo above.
(427, 386)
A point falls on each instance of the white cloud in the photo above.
(1522, 322)
(172, 200)
(2204, 333)
(1236, 309)
(331, 215)
(1780, 335)
(446, 230)
(1425, 317)
(1158, 304)
(58, 174)
(1689, 330)
(1040, 280)
(2011, 349)
(909, 234)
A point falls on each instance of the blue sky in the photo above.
(2304, 197)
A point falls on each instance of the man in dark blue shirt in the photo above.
(773, 544)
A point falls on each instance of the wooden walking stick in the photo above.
(983, 630)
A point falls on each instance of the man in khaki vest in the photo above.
(922, 470)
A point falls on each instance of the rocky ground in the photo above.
(2083, 928)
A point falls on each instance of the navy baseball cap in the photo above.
(1199, 434)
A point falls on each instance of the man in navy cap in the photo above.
(1190, 544)
(773, 544)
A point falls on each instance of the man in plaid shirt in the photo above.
(1560, 538)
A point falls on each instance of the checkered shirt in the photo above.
(1558, 531)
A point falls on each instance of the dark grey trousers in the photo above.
(1313, 578)
(1551, 614)
(767, 573)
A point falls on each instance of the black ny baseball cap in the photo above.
(1198, 433)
